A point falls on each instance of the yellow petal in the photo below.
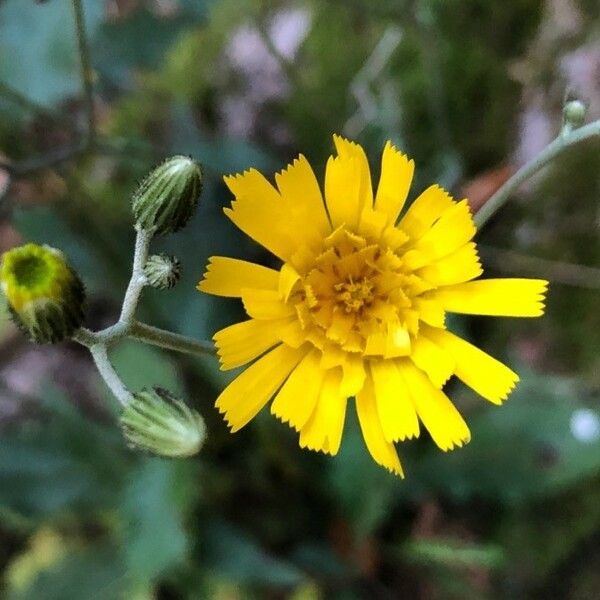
(260, 213)
(396, 411)
(430, 312)
(353, 375)
(432, 359)
(228, 276)
(382, 451)
(265, 304)
(298, 397)
(323, 430)
(346, 148)
(244, 397)
(394, 182)
(452, 230)
(477, 369)
(288, 277)
(424, 211)
(300, 191)
(397, 341)
(342, 191)
(440, 417)
(458, 267)
(243, 342)
(495, 297)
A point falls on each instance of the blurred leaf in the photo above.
(520, 451)
(364, 492)
(156, 499)
(67, 463)
(141, 40)
(38, 55)
(95, 572)
(238, 558)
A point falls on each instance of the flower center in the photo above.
(359, 296)
(353, 296)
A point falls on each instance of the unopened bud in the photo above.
(167, 198)
(574, 113)
(160, 423)
(45, 296)
(162, 271)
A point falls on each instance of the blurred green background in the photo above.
(470, 89)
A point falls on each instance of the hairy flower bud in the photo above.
(45, 295)
(158, 422)
(162, 271)
(167, 198)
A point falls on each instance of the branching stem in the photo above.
(567, 138)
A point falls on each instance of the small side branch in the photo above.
(138, 279)
(108, 373)
(563, 142)
(171, 341)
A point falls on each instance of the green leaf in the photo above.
(154, 509)
(238, 558)
(38, 54)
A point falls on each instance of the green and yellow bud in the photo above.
(45, 295)
(574, 113)
(158, 422)
(162, 271)
(168, 197)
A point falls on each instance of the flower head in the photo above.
(358, 306)
(160, 423)
(45, 296)
(167, 198)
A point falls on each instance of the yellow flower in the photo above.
(358, 306)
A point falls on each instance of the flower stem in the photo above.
(170, 341)
(138, 279)
(87, 74)
(566, 139)
(112, 380)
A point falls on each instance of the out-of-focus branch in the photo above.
(562, 143)
(555, 271)
(87, 74)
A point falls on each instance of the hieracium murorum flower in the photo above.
(358, 306)
(158, 422)
(168, 196)
(45, 295)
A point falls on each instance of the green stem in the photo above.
(170, 341)
(105, 368)
(564, 141)
(87, 74)
(138, 279)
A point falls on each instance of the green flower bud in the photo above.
(45, 295)
(158, 422)
(167, 198)
(162, 271)
(574, 113)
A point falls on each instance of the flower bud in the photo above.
(158, 422)
(167, 198)
(45, 295)
(574, 113)
(162, 271)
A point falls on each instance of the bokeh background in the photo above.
(471, 89)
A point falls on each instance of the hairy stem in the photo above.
(87, 74)
(170, 341)
(565, 140)
(105, 368)
(138, 279)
